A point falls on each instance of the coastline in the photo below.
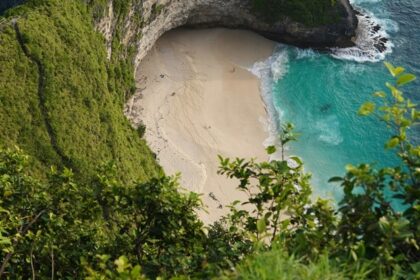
(198, 100)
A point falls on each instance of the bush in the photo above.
(367, 228)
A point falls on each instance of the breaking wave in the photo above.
(372, 40)
(269, 72)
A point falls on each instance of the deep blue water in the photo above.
(321, 93)
(7, 4)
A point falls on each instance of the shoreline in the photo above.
(198, 99)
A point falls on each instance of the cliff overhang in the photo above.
(147, 20)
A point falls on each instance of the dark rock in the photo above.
(383, 40)
(338, 34)
(380, 47)
(325, 108)
(237, 14)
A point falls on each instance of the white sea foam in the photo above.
(329, 130)
(274, 67)
(372, 39)
(305, 53)
(270, 71)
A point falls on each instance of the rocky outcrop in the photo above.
(147, 20)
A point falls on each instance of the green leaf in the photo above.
(392, 143)
(416, 267)
(351, 168)
(390, 67)
(261, 225)
(395, 71)
(380, 94)
(403, 134)
(271, 150)
(298, 160)
(397, 94)
(136, 272)
(121, 263)
(354, 255)
(335, 179)
(399, 70)
(367, 108)
(405, 79)
(5, 241)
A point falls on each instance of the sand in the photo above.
(198, 100)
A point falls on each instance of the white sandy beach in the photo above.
(197, 100)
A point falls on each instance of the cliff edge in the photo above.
(145, 21)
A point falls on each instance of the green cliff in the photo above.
(61, 98)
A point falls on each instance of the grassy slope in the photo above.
(75, 117)
(275, 264)
(61, 99)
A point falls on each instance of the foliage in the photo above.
(120, 269)
(156, 224)
(276, 264)
(47, 227)
(372, 224)
(43, 227)
(274, 189)
(141, 130)
(226, 246)
(377, 221)
(61, 99)
(68, 229)
(308, 12)
(279, 195)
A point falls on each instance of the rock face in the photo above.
(160, 16)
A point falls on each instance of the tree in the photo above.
(380, 209)
(368, 227)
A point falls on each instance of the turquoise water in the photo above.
(321, 93)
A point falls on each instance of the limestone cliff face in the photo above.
(147, 20)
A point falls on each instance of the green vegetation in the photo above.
(69, 230)
(61, 99)
(367, 236)
(308, 12)
(107, 229)
(275, 264)
(106, 211)
(57, 226)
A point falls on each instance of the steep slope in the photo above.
(63, 84)
(306, 23)
(61, 100)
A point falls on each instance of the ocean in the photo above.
(320, 93)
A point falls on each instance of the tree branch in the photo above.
(22, 233)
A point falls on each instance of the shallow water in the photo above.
(321, 93)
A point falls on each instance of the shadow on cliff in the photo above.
(7, 4)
